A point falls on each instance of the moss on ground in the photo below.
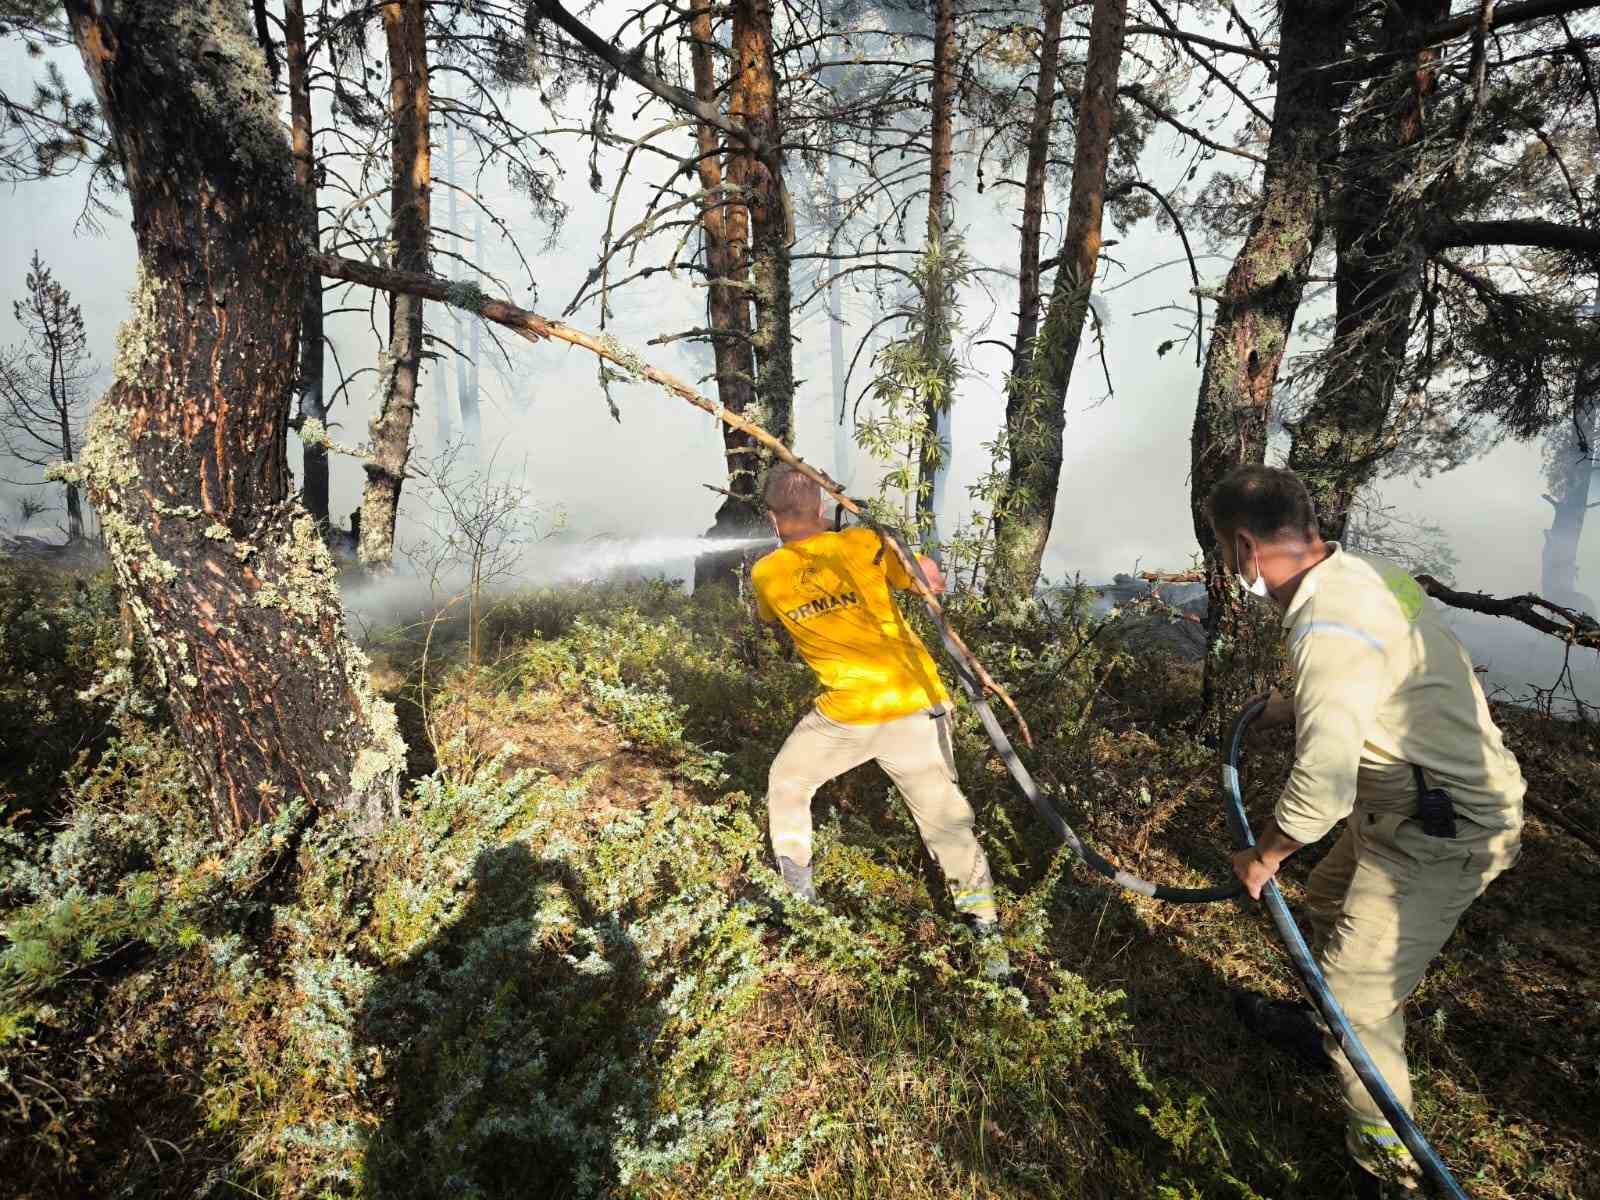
(566, 967)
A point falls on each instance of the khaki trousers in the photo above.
(1382, 904)
(915, 752)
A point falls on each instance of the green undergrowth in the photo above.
(567, 968)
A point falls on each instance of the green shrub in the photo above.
(62, 673)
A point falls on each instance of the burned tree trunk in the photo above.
(724, 228)
(755, 102)
(405, 34)
(227, 576)
(313, 405)
(1255, 315)
(758, 178)
(1338, 441)
(935, 450)
(1036, 408)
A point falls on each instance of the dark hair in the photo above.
(1265, 501)
(789, 493)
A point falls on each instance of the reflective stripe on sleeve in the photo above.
(1335, 627)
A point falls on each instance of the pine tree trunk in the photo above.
(1574, 460)
(1044, 102)
(466, 358)
(1338, 443)
(405, 33)
(1251, 329)
(313, 406)
(472, 406)
(755, 100)
(1036, 415)
(74, 514)
(186, 460)
(74, 498)
(934, 456)
(725, 226)
(843, 433)
(450, 175)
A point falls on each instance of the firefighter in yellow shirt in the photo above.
(882, 699)
(1392, 736)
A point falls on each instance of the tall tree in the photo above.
(724, 231)
(1256, 309)
(44, 382)
(186, 457)
(937, 395)
(468, 332)
(753, 102)
(1422, 156)
(1572, 460)
(1383, 199)
(1036, 402)
(410, 217)
(1033, 194)
(313, 398)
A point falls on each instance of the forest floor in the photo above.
(567, 968)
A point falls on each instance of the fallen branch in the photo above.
(1555, 816)
(1173, 576)
(536, 329)
(1580, 628)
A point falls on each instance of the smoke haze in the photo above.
(1124, 497)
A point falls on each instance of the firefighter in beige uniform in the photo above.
(1393, 735)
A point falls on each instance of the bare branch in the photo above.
(1580, 629)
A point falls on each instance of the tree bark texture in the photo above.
(1339, 443)
(755, 103)
(74, 492)
(410, 215)
(1254, 318)
(313, 405)
(1036, 404)
(725, 231)
(934, 460)
(1033, 192)
(222, 569)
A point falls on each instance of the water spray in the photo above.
(578, 563)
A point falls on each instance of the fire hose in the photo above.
(1305, 965)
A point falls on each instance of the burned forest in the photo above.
(799, 599)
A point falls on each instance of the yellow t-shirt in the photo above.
(834, 600)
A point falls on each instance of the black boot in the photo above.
(1288, 1026)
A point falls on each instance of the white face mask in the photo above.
(1259, 587)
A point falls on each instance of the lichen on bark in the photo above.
(139, 338)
